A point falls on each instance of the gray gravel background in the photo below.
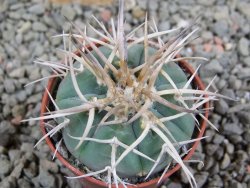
(26, 28)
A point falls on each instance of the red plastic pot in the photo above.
(90, 182)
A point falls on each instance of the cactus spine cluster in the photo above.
(126, 108)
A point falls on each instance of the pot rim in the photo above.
(197, 80)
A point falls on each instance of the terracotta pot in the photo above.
(90, 182)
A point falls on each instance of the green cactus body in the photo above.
(96, 156)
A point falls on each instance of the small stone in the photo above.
(17, 73)
(215, 182)
(37, 9)
(49, 166)
(221, 106)
(225, 161)
(14, 15)
(5, 167)
(142, 3)
(212, 68)
(138, 13)
(221, 28)
(27, 147)
(17, 170)
(68, 11)
(246, 61)
(46, 179)
(38, 51)
(235, 139)
(106, 15)
(22, 183)
(244, 8)
(129, 4)
(21, 96)
(244, 73)
(6, 128)
(241, 156)
(207, 35)
(31, 170)
(39, 26)
(9, 85)
(163, 26)
(174, 185)
(243, 46)
(14, 154)
(228, 46)
(18, 110)
(34, 98)
(244, 117)
(211, 148)
(153, 5)
(16, 6)
(201, 178)
(232, 128)
(218, 139)
(222, 12)
(24, 27)
(236, 185)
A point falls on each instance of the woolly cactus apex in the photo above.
(124, 105)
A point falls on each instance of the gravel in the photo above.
(26, 30)
(243, 46)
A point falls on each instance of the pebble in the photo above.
(39, 26)
(22, 183)
(14, 154)
(24, 27)
(221, 106)
(207, 35)
(46, 179)
(174, 185)
(243, 46)
(211, 149)
(31, 170)
(106, 15)
(37, 9)
(244, 117)
(218, 139)
(212, 68)
(232, 128)
(16, 172)
(68, 11)
(5, 167)
(164, 26)
(225, 162)
(222, 12)
(17, 73)
(9, 85)
(220, 28)
(201, 178)
(27, 147)
(138, 13)
(49, 166)
(244, 73)
(246, 61)
(244, 8)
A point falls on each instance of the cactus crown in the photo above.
(126, 108)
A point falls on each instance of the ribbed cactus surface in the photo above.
(96, 156)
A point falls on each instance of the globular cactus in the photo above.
(123, 122)
(126, 108)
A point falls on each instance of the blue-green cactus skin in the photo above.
(96, 156)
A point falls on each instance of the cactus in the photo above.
(124, 106)
(181, 129)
